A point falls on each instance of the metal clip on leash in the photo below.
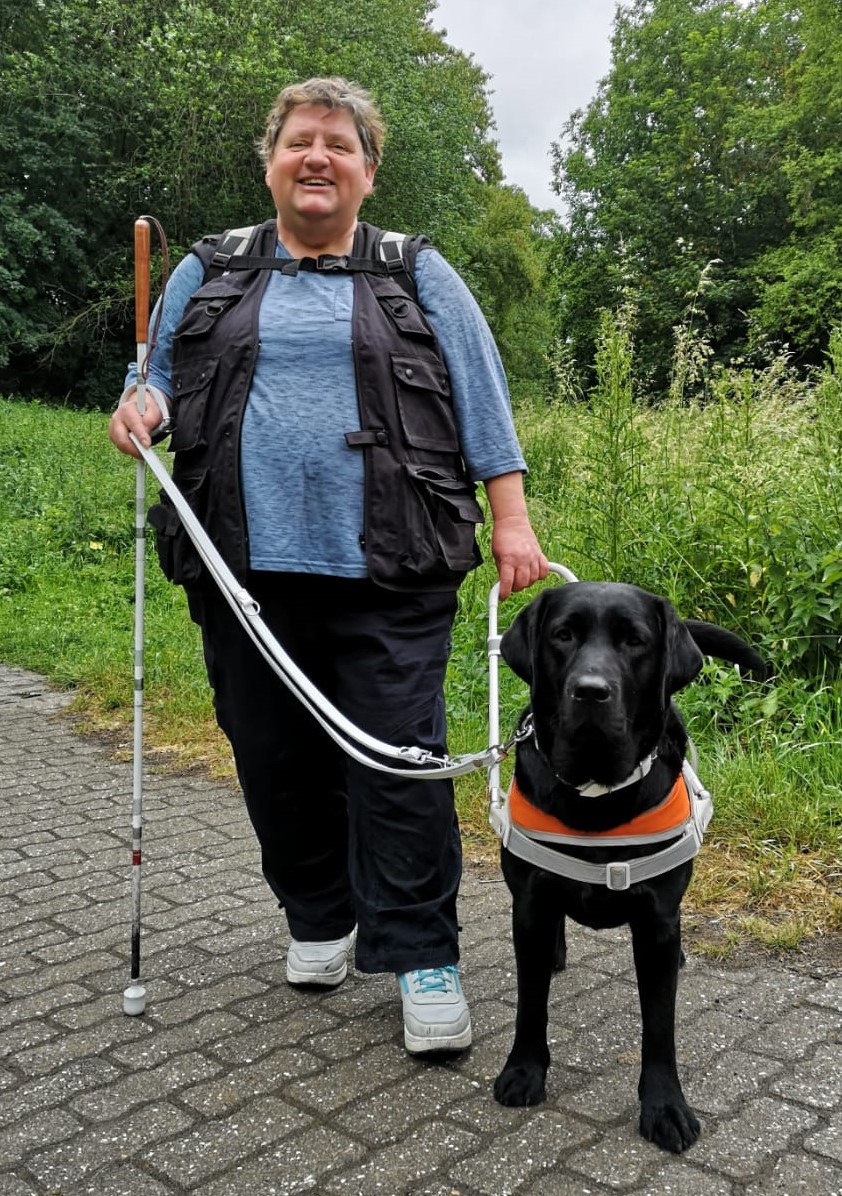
(496, 801)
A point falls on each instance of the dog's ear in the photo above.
(682, 658)
(518, 642)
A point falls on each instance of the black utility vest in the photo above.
(420, 506)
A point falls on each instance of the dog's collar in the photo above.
(590, 788)
(594, 789)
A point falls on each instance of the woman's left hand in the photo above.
(517, 554)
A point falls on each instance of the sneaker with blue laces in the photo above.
(324, 964)
(435, 1014)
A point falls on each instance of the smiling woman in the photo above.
(332, 406)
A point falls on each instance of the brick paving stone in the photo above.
(209, 1030)
(618, 1160)
(57, 1088)
(360, 1076)
(207, 998)
(503, 1165)
(799, 1176)
(681, 1178)
(738, 1147)
(81, 1158)
(113, 1100)
(398, 1167)
(24, 1035)
(729, 1079)
(387, 1116)
(18, 1138)
(558, 1182)
(829, 994)
(827, 1141)
(610, 1099)
(12, 1185)
(195, 1157)
(300, 1163)
(248, 1045)
(798, 1031)
(92, 1040)
(818, 1083)
(271, 1074)
(119, 1179)
(59, 989)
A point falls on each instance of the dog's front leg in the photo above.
(665, 1117)
(536, 933)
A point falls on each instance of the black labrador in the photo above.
(602, 661)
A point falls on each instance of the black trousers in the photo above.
(341, 843)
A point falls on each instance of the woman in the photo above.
(328, 430)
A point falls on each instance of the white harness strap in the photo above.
(617, 875)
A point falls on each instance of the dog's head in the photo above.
(602, 661)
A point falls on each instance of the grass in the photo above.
(727, 500)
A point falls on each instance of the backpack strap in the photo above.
(395, 257)
(399, 252)
(233, 243)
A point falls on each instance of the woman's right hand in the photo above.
(127, 419)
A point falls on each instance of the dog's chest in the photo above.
(594, 906)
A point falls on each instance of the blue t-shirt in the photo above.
(302, 485)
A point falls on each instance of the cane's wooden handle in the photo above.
(141, 280)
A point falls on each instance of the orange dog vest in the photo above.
(665, 821)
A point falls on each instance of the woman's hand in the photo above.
(518, 555)
(127, 419)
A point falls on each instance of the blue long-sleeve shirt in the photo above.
(302, 485)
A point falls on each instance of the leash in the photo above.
(358, 744)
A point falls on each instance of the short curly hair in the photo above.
(333, 93)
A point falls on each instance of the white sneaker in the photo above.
(435, 1014)
(325, 964)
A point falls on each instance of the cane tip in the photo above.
(134, 1000)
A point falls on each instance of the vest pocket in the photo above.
(205, 306)
(423, 395)
(191, 386)
(179, 560)
(441, 520)
(406, 315)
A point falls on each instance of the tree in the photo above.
(506, 267)
(663, 174)
(799, 281)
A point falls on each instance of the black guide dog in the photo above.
(602, 661)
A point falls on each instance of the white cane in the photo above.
(134, 996)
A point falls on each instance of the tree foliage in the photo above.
(116, 108)
(799, 280)
(709, 154)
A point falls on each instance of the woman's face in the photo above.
(318, 174)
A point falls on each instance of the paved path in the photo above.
(233, 1083)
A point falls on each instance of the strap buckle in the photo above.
(618, 877)
(332, 261)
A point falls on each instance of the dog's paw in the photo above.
(521, 1084)
(672, 1126)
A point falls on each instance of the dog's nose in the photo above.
(591, 688)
